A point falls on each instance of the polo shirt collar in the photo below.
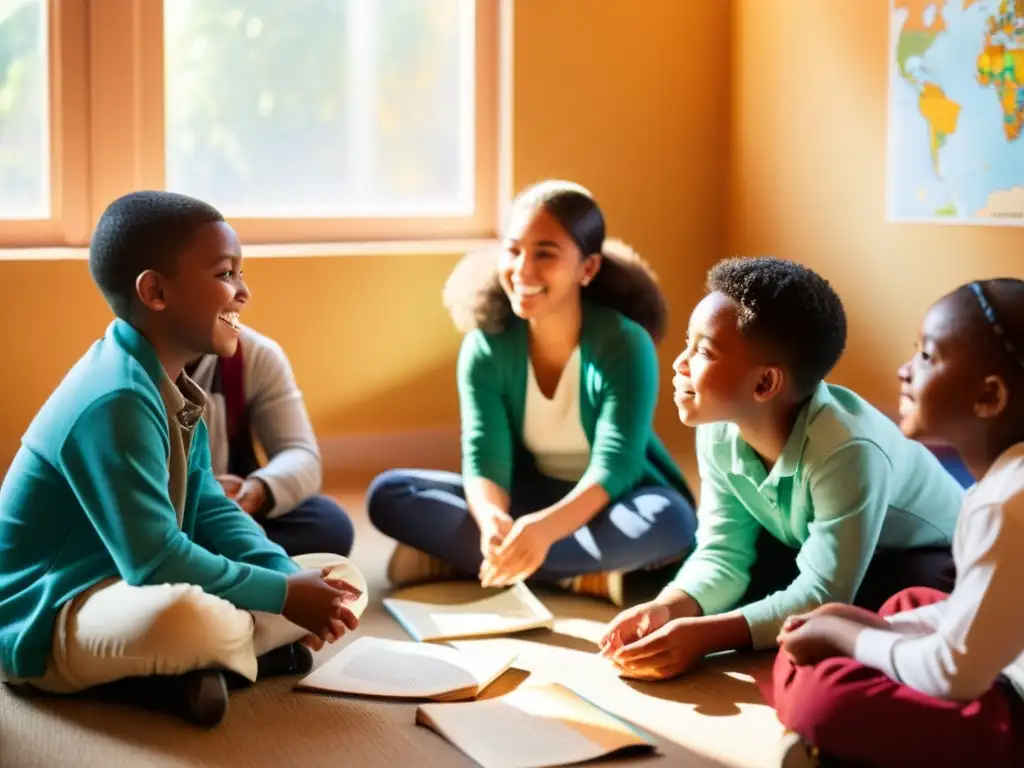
(746, 463)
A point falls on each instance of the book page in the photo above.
(373, 666)
(486, 664)
(532, 727)
(514, 610)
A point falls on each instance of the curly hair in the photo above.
(625, 282)
(789, 308)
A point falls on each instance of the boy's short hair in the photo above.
(139, 231)
(789, 308)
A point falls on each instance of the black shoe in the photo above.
(204, 700)
(293, 659)
(199, 697)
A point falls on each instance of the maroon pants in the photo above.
(856, 713)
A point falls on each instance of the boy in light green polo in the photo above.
(808, 494)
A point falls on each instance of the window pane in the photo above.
(24, 111)
(321, 107)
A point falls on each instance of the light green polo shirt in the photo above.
(847, 483)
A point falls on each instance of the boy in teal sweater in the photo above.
(121, 558)
(808, 493)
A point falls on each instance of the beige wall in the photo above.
(808, 179)
(704, 129)
(629, 98)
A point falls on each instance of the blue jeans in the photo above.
(317, 525)
(427, 510)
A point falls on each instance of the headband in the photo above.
(995, 325)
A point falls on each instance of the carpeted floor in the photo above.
(713, 717)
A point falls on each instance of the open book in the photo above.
(373, 666)
(513, 610)
(532, 727)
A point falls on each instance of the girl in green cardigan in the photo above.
(563, 478)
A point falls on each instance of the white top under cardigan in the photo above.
(552, 430)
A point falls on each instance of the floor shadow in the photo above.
(715, 696)
(759, 666)
(715, 688)
(125, 722)
(557, 639)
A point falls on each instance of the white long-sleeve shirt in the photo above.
(957, 648)
(278, 418)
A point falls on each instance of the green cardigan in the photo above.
(618, 393)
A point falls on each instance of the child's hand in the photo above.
(494, 527)
(810, 638)
(317, 604)
(632, 625)
(662, 653)
(852, 613)
(520, 554)
(251, 496)
(313, 642)
(231, 484)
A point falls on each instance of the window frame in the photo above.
(68, 134)
(107, 132)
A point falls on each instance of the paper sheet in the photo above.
(373, 666)
(377, 667)
(532, 727)
(513, 610)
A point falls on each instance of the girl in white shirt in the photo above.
(934, 679)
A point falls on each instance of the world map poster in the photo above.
(956, 111)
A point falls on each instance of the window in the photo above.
(303, 121)
(24, 112)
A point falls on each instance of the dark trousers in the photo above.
(318, 524)
(427, 510)
(855, 713)
(888, 573)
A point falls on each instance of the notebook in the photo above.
(373, 666)
(532, 727)
(512, 610)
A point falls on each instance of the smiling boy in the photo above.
(121, 559)
(808, 493)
